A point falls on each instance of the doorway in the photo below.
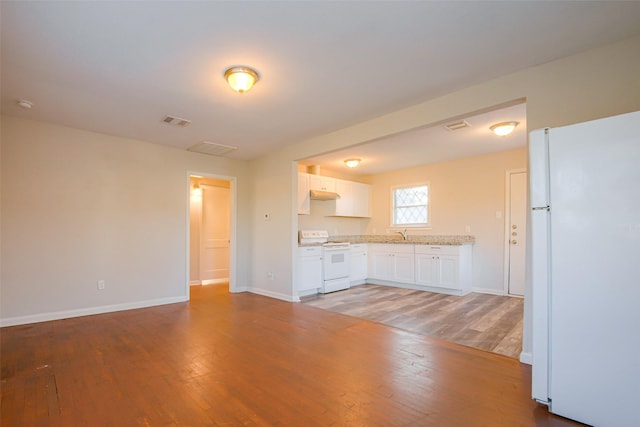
(515, 231)
(210, 231)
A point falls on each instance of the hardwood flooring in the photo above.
(247, 360)
(487, 322)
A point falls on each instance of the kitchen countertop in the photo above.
(455, 240)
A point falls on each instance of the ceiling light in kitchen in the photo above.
(241, 79)
(352, 163)
(26, 104)
(504, 129)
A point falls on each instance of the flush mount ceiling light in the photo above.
(504, 129)
(24, 103)
(241, 79)
(352, 163)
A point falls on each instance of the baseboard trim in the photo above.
(276, 295)
(195, 283)
(488, 291)
(215, 281)
(57, 315)
(526, 358)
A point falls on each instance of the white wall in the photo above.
(593, 84)
(80, 206)
(462, 192)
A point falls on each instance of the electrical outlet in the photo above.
(100, 285)
(270, 275)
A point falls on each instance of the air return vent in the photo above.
(460, 124)
(176, 121)
(211, 148)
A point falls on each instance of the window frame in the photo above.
(392, 203)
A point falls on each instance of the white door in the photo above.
(214, 251)
(517, 223)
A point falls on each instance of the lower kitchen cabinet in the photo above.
(309, 270)
(392, 262)
(444, 266)
(358, 253)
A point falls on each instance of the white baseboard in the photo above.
(488, 291)
(57, 315)
(215, 281)
(276, 295)
(195, 283)
(526, 358)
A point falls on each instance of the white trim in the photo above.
(276, 295)
(488, 291)
(215, 281)
(507, 231)
(526, 358)
(57, 315)
(446, 291)
(233, 247)
(195, 283)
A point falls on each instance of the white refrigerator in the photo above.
(585, 269)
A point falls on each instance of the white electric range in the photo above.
(335, 259)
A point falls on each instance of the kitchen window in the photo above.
(410, 206)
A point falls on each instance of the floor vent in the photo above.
(211, 148)
(176, 121)
(460, 124)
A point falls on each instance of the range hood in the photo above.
(323, 195)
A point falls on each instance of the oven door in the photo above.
(336, 263)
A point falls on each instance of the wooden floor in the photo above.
(242, 359)
(487, 322)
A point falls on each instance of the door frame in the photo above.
(507, 216)
(233, 285)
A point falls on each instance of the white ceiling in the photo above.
(431, 145)
(120, 67)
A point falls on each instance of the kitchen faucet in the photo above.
(404, 234)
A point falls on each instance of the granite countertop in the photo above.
(397, 239)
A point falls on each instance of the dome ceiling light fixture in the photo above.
(352, 163)
(504, 128)
(241, 79)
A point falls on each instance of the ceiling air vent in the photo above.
(176, 121)
(211, 148)
(460, 124)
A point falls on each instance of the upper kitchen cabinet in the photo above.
(354, 200)
(304, 199)
(322, 183)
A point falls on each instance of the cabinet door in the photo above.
(361, 194)
(426, 269)
(358, 266)
(404, 270)
(309, 272)
(381, 265)
(304, 200)
(344, 204)
(448, 271)
(322, 183)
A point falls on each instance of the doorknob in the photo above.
(514, 242)
(514, 226)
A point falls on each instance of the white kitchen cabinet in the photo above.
(392, 262)
(344, 204)
(361, 194)
(322, 183)
(359, 263)
(444, 266)
(304, 200)
(354, 200)
(309, 270)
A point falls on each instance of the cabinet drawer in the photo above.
(310, 251)
(358, 247)
(438, 249)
